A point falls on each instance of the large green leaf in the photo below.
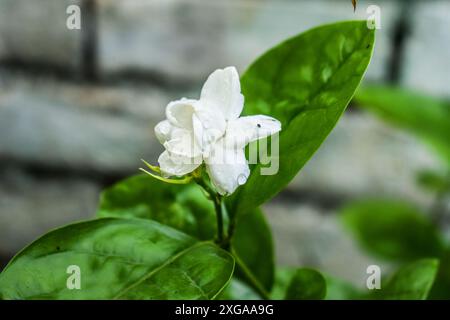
(183, 207)
(411, 282)
(306, 82)
(186, 208)
(424, 116)
(392, 230)
(118, 259)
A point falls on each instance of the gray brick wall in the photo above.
(77, 107)
(426, 64)
(35, 32)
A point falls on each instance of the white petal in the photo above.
(208, 128)
(197, 129)
(247, 129)
(177, 166)
(222, 92)
(227, 168)
(163, 131)
(180, 112)
(182, 143)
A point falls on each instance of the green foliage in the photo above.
(252, 244)
(238, 290)
(441, 287)
(186, 208)
(306, 284)
(424, 116)
(118, 259)
(283, 277)
(407, 233)
(306, 82)
(151, 240)
(392, 230)
(411, 282)
(299, 284)
(338, 289)
(434, 181)
(183, 207)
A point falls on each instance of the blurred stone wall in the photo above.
(77, 107)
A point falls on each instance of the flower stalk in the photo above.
(219, 215)
(217, 199)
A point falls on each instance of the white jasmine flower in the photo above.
(210, 130)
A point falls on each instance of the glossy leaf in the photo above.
(392, 230)
(424, 116)
(183, 207)
(305, 82)
(306, 284)
(186, 208)
(411, 282)
(118, 259)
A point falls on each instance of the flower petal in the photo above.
(177, 166)
(244, 130)
(182, 143)
(222, 92)
(180, 112)
(208, 128)
(227, 168)
(163, 131)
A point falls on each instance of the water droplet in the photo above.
(241, 179)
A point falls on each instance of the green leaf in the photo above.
(424, 116)
(283, 276)
(118, 259)
(441, 287)
(238, 290)
(252, 244)
(338, 289)
(299, 284)
(186, 208)
(411, 282)
(306, 284)
(392, 230)
(434, 181)
(183, 207)
(305, 82)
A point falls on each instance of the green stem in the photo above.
(219, 215)
(225, 242)
(217, 200)
(231, 228)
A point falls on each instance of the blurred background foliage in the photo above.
(77, 110)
